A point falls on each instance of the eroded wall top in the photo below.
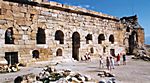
(66, 8)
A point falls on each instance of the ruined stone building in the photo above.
(50, 30)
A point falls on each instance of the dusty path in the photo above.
(136, 71)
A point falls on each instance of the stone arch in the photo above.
(92, 50)
(128, 29)
(104, 49)
(35, 54)
(112, 52)
(101, 38)
(111, 39)
(59, 52)
(125, 42)
(9, 36)
(88, 37)
(59, 35)
(75, 45)
(133, 39)
(40, 36)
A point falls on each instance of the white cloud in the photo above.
(80, 6)
(87, 6)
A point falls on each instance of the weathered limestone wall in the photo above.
(26, 19)
(141, 38)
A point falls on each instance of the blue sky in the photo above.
(118, 8)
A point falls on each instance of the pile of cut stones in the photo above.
(9, 68)
(51, 75)
(142, 53)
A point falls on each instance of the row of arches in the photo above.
(59, 36)
(101, 38)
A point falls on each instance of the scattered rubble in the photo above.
(50, 74)
(142, 53)
(105, 74)
(7, 68)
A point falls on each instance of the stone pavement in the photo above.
(136, 71)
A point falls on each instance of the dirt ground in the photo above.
(136, 71)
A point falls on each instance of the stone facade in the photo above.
(50, 30)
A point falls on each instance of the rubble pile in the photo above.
(142, 53)
(51, 75)
(7, 69)
(105, 74)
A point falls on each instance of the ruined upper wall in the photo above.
(66, 8)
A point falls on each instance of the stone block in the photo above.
(20, 21)
(5, 6)
(15, 8)
(8, 15)
(25, 37)
(23, 9)
(3, 22)
(30, 46)
(17, 37)
(18, 14)
(33, 11)
(3, 11)
(21, 32)
(21, 42)
(33, 36)
(1, 16)
(10, 24)
(28, 23)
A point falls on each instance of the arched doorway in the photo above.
(111, 39)
(132, 42)
(75, 45)
(9, 36)
(128, 29)
(104, 49)
(59, 52)
(59, 35)
(40, 36)
(92, 50)
(35, 54)
(11, 58)
(101, 38)
(88, 37)
(112, 52)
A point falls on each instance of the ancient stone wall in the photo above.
(59, 24)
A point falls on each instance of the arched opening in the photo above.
(40, 36)
(11, 58)
(104, 49)
(101, 38)
(35, 54)
(9, 36)
(59, 35)
(132, 42)
(92, 50)
(128, 29)
(88, 37)
(59, 52)
(111, 39)
(75, 45)
(112, 52)
(125, 42)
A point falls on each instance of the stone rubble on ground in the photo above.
(7, 69)
(51, 75)
(142, 53)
